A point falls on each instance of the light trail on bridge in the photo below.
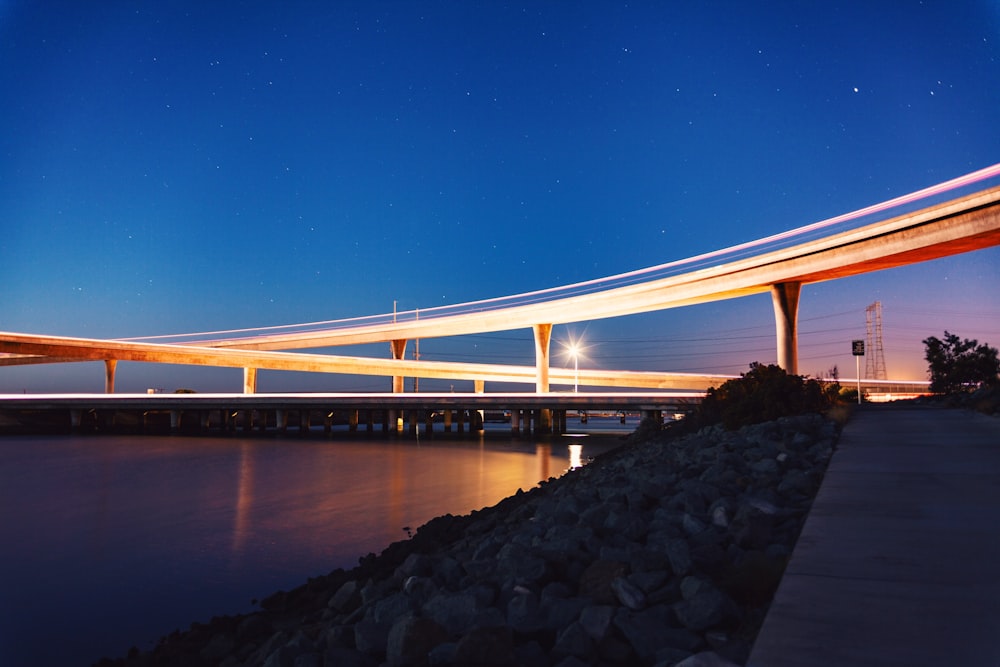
(967, 223)
(781, 240)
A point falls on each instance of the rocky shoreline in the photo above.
(666, 551)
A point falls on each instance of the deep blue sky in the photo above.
(188, 166)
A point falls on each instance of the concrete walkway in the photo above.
(899, 560)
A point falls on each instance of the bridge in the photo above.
(527, 412)
(780, 265)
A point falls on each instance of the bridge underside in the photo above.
(962, 225)
(525, 412)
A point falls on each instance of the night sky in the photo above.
(191, 166)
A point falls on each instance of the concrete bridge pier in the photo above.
(543, 338)
(249, 380)
(559, 422)
(527, 422)
(480, 415)
(785, 297)
(110, 366)
(447, 421)
(175, 421)
(398, 350)
(476, 422)
(515, 423)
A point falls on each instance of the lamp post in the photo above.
(575, 351)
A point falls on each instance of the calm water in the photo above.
(110, 542)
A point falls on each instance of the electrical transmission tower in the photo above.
(875, 360)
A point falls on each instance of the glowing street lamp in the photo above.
(574, 350)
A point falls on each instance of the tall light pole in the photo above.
(575, 351)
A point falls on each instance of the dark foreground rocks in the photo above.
(664, 552)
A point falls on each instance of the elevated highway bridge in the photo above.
(963, 224)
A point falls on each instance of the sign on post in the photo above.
(858, 350)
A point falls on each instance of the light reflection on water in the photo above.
(115, 541)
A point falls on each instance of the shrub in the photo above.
(762, 394)
(850, 395)
(957, 365)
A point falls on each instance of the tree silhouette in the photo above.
(764, 393)
(960, 365)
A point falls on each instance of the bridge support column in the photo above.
(785, 297)
(109, 375)
(447, 421)
(480, 419)
(560, 422)
(544, 421)
(249, 380)
(515, 422)
(543, 337)
(398, 349)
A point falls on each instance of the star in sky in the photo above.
(300, 164)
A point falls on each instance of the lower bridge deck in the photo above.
(390, 413)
